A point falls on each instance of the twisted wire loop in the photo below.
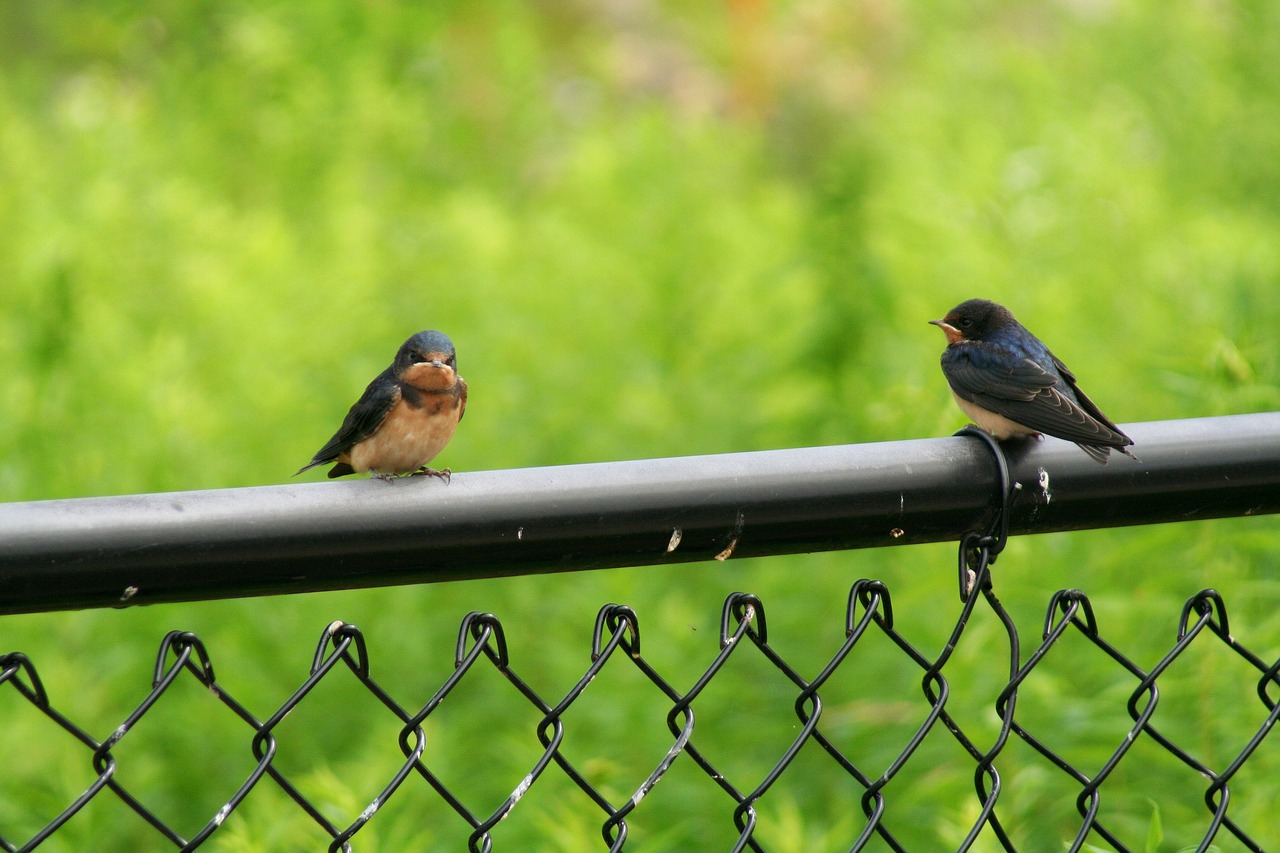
(491, 644)
(867, 618)
(17, 671)
(336, 644)
(1210, 614)
(977, 553)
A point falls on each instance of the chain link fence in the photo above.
(869, 619)
(881, 775)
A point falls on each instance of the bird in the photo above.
(404, 418)
(1009, 382)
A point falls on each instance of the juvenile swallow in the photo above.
(404, 418)
(1004, 378)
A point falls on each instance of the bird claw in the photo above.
(444, 473)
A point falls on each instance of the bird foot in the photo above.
(444, 473)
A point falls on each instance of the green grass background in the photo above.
(652, 229)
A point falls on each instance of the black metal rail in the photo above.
(144, 549)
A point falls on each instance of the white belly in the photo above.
(997, 425)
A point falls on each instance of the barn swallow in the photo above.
(404, 418)
(1004, 378)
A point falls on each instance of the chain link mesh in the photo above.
(482, 645)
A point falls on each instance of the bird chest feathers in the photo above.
(414, 433)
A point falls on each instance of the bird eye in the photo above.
(966, 323)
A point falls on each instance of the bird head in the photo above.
(427, 361)
(973, 320)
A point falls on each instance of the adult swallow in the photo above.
(1004, 378)
(404, 418)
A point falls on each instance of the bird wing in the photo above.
(362, 420)
(1083, 399)
(1025, 392)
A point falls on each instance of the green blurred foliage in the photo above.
(652, 230)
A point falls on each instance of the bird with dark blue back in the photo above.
(1004, 378)
(404, 418)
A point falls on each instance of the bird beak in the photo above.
(952, 333)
